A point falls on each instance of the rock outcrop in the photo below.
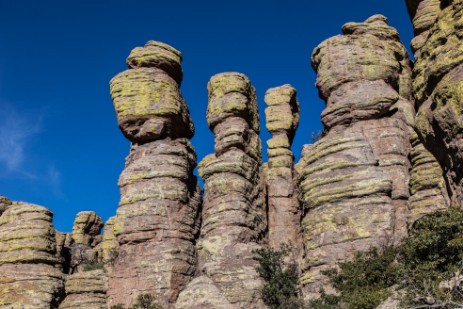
(284, 213)
(157, 218)
(391, 152)
(438, 89)
(30, 271)
(86, 289)
(354, 181)
(233, 212)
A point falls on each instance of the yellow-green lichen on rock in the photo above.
(30, 271)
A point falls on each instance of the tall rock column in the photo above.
(438, 87)
(233, 216)
(284, 213)
(157, 218)
(354, 182)
(30, 271)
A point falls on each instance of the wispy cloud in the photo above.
(53, 179)
(16, 131)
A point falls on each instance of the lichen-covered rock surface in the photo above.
(438, 87)
(30, 272)
(86, 289)
(354, 182)
(233, 213)
(157, 218)
(284, 213)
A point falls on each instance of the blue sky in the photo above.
(60, 146)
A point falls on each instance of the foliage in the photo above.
(93, 266)
(281, 279)
(431, 255)
(326, 301)
(144, 301)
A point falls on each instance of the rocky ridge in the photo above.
(391, 152)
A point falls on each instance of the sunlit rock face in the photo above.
(284, 212)
(233, 213)
(438, 87)
(30, 271)
(157, 218)
(354, 181)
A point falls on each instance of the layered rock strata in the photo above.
(233, 214)
(30, 271)
(284, 213)
(157, 218)
(438, 90)
(86, 289)
(354, 182)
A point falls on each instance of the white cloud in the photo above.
(16, 131)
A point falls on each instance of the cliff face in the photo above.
(438, 87)
(391, 152)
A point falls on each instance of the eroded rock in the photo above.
(157, 218)
(354, 182)
(30, 271)
(233, 215)
(284, 213)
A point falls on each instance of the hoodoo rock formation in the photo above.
(233, 213)
(157, 219)
(391, 152)
(354, 181)
(30, 271)
(284, 212)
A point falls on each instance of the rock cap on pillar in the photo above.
(147, 98)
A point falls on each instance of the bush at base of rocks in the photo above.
(425, 267)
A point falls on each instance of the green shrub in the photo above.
(432, 253)
(281, 279)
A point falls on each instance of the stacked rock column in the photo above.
(284, 214)
(157, 218)
(438, 86)
(30, 271)
(233, 217)
(354, 181)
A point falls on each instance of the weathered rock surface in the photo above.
(157, 219)
(233, 214)
(86, 289)
(147, 99)
(30, 271)
(284, 213)
(354, 182)
(438, 90)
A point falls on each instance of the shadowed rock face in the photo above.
(233, 216)
(157, 219)
(438, 86)
(79, 250)
(30, 272)
(354, 182)
(284, 213)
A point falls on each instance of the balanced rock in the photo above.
(233, 213)
(30, 271)
(157, 218)
(147, 99)
(354, 182)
